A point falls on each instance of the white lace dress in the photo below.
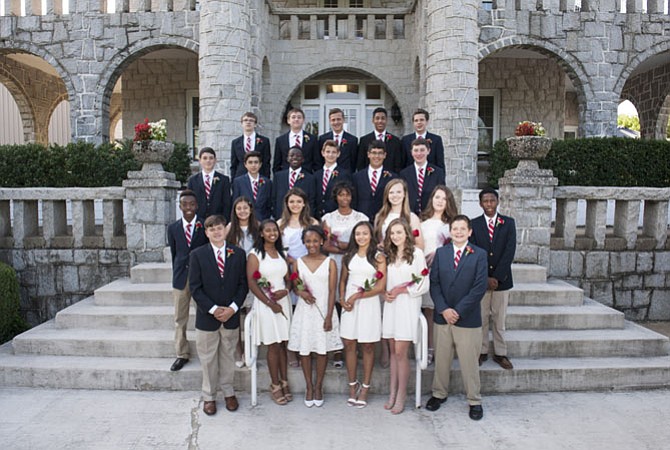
(364, 322)
(270, 327)
(401, 316)
(307, 334)
(435, 233)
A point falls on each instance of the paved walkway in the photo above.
(79, 419)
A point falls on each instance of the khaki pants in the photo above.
(466, 343)
(182, 303)
(494, 307)
(216, 350)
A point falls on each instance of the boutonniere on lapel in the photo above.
(386, 174)
(388, 137)
(261, 181)
(343, 142)
(215, 180)
(469, 250)
(500, 221)
(305, 137)
(198, 226)
(429, 170)
(301, 176)
(229, 252)
(430, 141)
(259, 140)
(335, 173)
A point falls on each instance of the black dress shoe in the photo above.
(476, 412)
(178, 364)
(483, 357)
(434, 403)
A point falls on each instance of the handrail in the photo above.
(251, 353)
(421, 356)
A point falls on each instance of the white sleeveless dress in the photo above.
(435, 233)
(272, 328)
(364, 322)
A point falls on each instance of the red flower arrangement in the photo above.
(527, 128)
(142, 131)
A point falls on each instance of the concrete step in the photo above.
(528, 375)
(123, 292)
(591, 315)
(151, 273)
(528, 273)
(551, 293)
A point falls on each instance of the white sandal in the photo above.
(362, 403)
(352, 401)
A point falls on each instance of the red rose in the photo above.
(294, 276)
(424, 272)
(379, 275)
(325, 233)
(415, 233)
(256, 275)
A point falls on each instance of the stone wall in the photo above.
(156, 88)
(634, 282)
(648, 91)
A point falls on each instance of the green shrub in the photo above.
(180, 162)
(11, 322)
(605, 161)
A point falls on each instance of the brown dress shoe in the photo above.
(231, 403)
(483, 357)
(209, 408)
(503, 362)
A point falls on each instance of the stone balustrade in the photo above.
(626, 233)
(38, 8)
(21, 209)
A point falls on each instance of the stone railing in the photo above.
(22, 208)
(38, 8)
(585, 6)
(626, 234)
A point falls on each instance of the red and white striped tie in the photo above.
(187, 233)
(208, 186)
(491, 227)
(419, 180)
(380, 136)
(457, 259)
(337, 140)
(255, 189)
(373, 182)
(247, 148)
(219, 262)
(297, 140)
(324, 183)
(291, 180)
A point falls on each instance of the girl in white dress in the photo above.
(395, 205)
(295, 219)
(338, 225)
(436, 217)
(407, 282)
(314, 329)
(267, 264)
(363, 279)
(242, 231)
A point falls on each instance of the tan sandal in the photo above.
(285, 389)
(277, 394)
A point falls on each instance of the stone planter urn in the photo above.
(528, 150)
(152, 154)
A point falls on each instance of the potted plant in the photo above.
(149, 146)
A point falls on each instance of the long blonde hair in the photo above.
(405, 212)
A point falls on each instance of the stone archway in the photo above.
(22, 102)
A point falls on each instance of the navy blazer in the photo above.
(325, 202)
(181, 251)
(263, 203)
(461, 289)
(348, 151)
(209, 289)
(433, 177)
(436, 155)
(364, 200)
(237, 153)
(219, 195)
(305, 182)
(308, 145)
(500, 251)
(395, 161)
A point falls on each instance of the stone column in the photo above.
(225, 72)
(526, 194)
(452, 84)
(151, 207)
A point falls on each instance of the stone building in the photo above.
(478, 67)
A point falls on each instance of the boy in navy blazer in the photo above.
(254, 186)
(369, 183)
(421, 177)
(420, 121)
(346, 142)
(212, 188)
(296, 137)
(295, 176)
(326, 177)
(218, 282)
(396, 159)
(249, 142)
(497, 235)
(184, 235)
(457, 285)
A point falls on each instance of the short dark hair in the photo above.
(335, 111)
(488, 190)
(380, 110)
(295, 147)
(188, 193)
(316, 229)
(204, 150)
(253, 154)
(249, 114)
(215, 220)
(342, 186)
(421, 141)
(377, 144)
(421, 111)
(462, 217)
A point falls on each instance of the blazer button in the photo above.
(491, 254)
(490, 267)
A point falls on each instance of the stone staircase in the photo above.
(122, 338)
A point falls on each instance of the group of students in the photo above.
(380, 264)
